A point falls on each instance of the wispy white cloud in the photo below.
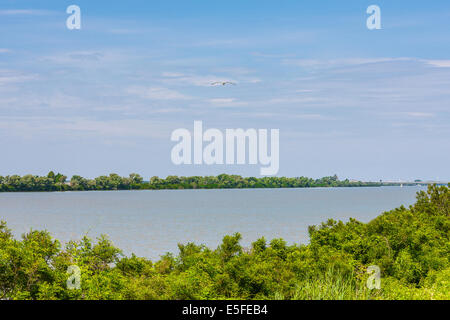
(235, 70)
(116, 128)
(227, 102)
(29, 127)
(272, 115)
(156, 93)
(260, 38)
(339, 62)
(86, 58)
(273, 56)
(439, 63)
(77, 56)
(125, 31)
(172, 74)
(327, 63)
(420, 114)
(406, 116)
(295, 100)
(11, 76)
(15, 12)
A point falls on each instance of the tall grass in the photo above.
(332, 285)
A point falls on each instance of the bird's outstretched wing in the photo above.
(223, 83)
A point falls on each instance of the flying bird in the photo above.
(223, 83)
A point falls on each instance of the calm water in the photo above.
(150, 223)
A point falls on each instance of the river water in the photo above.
(151, 223)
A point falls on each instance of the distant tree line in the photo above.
(59, 182)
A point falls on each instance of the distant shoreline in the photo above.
(58, 182)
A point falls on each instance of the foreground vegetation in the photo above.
(410, 245)
(58, 182)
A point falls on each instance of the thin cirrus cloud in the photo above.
(329, 63)
(439, 63)
(156, 93)
(83, 58)
(339, 62)
(10, 76)
(226, 102)
(272, 115)
(407, 115)
(28, 127)
(28, 12)
(420, 114)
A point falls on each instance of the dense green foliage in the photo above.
(410, 245)
(58, 182)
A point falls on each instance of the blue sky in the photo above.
(364, 104)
